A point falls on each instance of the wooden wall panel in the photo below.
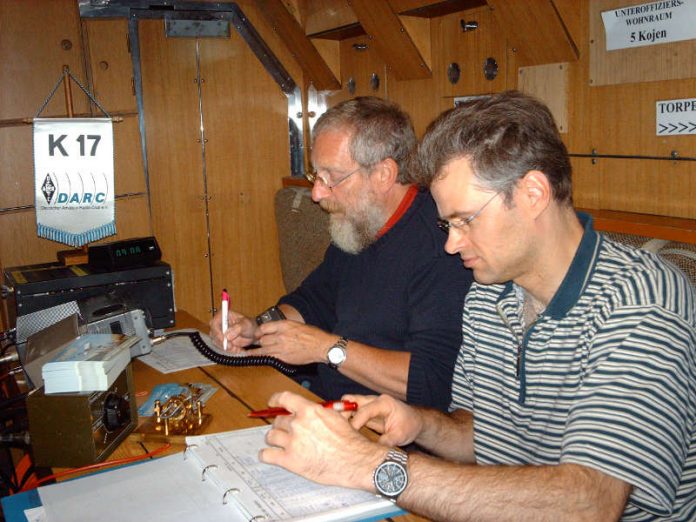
(247, 154)
(586, 183)
(129, 175)
(110, 64)
(360, 65)
(37, 38)
(623, 118)
(16, 166)
(470, 50)
(648, 187)
(419, 98)
(671, 61)
(172, 124)
(549, 83)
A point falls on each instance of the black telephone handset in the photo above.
(272, 314)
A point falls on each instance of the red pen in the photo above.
(332, 405)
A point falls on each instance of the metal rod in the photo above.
(632, 156)
(21, 208)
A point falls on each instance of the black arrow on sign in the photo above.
(663, 128)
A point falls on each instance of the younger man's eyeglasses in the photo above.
(463, 224)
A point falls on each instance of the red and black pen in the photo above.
(331, 405)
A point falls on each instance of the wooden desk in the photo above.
(240, 390)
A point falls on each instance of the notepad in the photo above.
(217, 478)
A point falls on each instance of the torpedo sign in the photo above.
(675, 117)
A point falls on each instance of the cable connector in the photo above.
(21, 437)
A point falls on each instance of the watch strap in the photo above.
(400, 457)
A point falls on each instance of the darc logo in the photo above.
(58, 188)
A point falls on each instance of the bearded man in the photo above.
(381, 313)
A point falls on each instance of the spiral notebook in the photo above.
(217, 477)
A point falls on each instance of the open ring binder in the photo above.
(209, 466)
(217, 478)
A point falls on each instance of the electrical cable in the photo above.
(98, 465)
(231, 360)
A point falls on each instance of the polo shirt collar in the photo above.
(578, 274)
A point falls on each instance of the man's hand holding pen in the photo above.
(241, 331)
(320, 443)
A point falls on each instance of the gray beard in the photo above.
(355, 233)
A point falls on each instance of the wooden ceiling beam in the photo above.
(536, 30)
(301, 47)
(391, 39)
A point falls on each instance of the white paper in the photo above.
(271, 492)
(175, 354)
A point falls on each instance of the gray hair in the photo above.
(504, 136)
(379, 128)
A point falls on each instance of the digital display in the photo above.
(128, 251)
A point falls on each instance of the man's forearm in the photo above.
(385, 371)
(449, 436)
(291, 313)
(447, 491)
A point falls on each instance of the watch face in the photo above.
(390, 478)
(336, 355)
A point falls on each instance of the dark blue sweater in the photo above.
(404, 292)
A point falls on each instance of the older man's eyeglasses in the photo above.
(314, 177)
(463, 224)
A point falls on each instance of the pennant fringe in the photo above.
(77, 240)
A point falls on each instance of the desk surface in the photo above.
(240, 390)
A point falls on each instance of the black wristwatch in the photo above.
(391, 476)
(337, 353)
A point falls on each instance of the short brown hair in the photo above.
(504, 136)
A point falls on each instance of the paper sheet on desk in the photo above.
(175, 354)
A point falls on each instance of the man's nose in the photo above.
(456, 241)
(319, 191)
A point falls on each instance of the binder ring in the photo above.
(231, 490)
(209, 466)
(189, 447)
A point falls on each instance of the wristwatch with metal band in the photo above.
(337, 353)
(391, 476)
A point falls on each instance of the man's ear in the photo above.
(384, 174)
(535, 192)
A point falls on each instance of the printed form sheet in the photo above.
(272, 492)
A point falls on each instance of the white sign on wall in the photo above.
(649, 24)
(675, 117)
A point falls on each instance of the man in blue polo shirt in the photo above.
(574, 392)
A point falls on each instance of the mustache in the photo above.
(330, 206)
